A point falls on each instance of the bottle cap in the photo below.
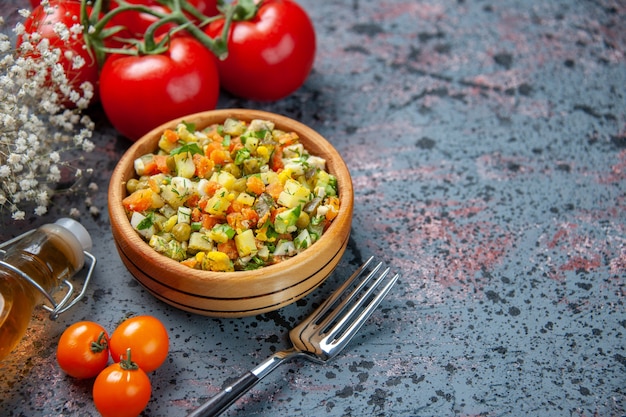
(78, 230)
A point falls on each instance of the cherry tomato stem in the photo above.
(82, 350)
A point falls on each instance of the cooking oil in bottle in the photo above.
(49, 255)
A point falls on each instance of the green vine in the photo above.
(98, 29)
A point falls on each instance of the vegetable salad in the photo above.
(233, 196)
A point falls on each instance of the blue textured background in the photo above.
(487, 144)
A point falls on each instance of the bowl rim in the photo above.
(129, 238)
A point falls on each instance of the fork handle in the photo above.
(220, 402)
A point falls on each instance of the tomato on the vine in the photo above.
(139, 93)
(82, 351)
(269, 56)
(147, 339)
(74, 48)
(136, 22)
(122, 390)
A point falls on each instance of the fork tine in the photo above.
(334, 302)
(350, 322)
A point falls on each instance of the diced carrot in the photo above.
(251, 216)
(196, 214)
(333, 203)
(192, 201)
(190, 262)
(235, 220)
(235, 145)
(204, 166)
(140, 200)
(149, 165)
(220, 156)
(235, 207)
(212, 187)
(276, 160)
(210, 220)
(161, 163)
(211, 146)
(255, 185)
(170, 135)
(288, 138)
(229, 248)
(214, 135)
(153, 184)
(274, 189)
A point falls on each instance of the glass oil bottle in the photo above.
(32, 268)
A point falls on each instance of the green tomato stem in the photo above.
(99, 345)
(96, 30)
(126, 363)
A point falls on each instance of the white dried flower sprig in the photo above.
(39, 137)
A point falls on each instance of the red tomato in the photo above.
(147, 339)
(83, 350)
(137, 23)
(269, 56)
(121, 390)
(67, 13)
(139, 93)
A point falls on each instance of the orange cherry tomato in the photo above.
(122, 390)
(146, 337)
(83, 351)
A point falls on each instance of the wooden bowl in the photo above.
(239, 293)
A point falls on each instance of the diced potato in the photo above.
(218, 235)
(269, 177)
(199, 242)
(166, 145)
(224, 178)
(177, 191)
(234, 127)
(184, 165)
(252, 143)
(219, 203)
(294, 194)
(296, 168)
(245, 199)
(184, 215)
(258, 125)
(246, 245)
(184, 133)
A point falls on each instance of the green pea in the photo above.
(131, 185)
(233, 169)
(240, 185)
(181, 232)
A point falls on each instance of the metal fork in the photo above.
(320, 336)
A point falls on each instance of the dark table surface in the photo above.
(487, 145)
